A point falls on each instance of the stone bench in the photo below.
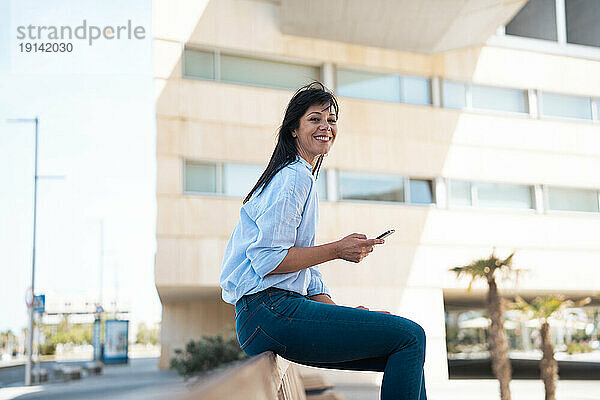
(39, 375)
(67, 373)
(93, 367)
(266, 376)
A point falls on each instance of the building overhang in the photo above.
(420, 26)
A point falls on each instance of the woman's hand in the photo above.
(365, 308)
(355, 247)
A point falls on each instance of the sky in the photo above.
(97, 138)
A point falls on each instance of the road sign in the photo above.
(39, 303)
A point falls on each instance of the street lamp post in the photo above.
(30, 306)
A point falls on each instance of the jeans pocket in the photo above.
(285, 305)
(260, 341)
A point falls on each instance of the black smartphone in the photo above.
(386, 234)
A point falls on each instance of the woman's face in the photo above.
(317, 132)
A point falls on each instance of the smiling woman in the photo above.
(270, 269)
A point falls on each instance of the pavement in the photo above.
(483, 389)
(139, 379)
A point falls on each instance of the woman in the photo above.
(270, 270)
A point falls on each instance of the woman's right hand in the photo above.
(355, 247)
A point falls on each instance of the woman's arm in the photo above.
(299, 258)
(353, 247)
(322, 298)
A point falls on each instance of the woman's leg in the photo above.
(331, 336)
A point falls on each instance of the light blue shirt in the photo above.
(284, 215)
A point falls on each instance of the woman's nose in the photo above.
(325, 126)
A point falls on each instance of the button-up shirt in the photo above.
(283, 215)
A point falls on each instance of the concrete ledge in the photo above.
(263, 377)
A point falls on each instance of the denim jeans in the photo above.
(331, 336)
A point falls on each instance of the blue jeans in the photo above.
(331, 336)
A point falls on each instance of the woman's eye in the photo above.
(332, 121)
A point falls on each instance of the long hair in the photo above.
(285, 150)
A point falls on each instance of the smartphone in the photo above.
(386, 234)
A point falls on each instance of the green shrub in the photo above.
(206, 354)
(575, 347)
(47, 349)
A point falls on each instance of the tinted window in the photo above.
(364, 186)
(266, 73)
(537, 19)
(421, 191)
(501, 99)
(460, 193)
(558, 105)
(454, 94)
(572, 199)
(504, 195)
(199, 64)
(200, 177)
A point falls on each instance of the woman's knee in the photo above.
(417, 332)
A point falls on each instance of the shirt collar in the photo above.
(306, 163)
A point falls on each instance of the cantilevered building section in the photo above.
(462, 126)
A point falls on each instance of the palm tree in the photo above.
(485, 269)
(542, 308)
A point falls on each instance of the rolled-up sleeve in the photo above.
(277, 226)
(316, 285)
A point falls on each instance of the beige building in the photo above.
(464, 125)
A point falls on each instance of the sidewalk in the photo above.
(140, 379)
(484, 389)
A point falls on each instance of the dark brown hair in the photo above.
(285, 151)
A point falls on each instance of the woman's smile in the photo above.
(318, 124)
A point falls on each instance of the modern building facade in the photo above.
(464, 125)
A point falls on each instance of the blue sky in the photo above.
(97, 130)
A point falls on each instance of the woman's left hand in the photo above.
(365, 308)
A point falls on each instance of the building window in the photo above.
(537, 19)
(200, 177)
(460, 193)
(567, 199)
(239, 179)
(366, 186)
(247, 70)
(462, 95)
(272, 74)
(582, 18)
(499, 99)
(231, 179)
(454, 94)
(199, 64)
(421, 191)
(504, 195)
(558, 105)
(383, 87)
